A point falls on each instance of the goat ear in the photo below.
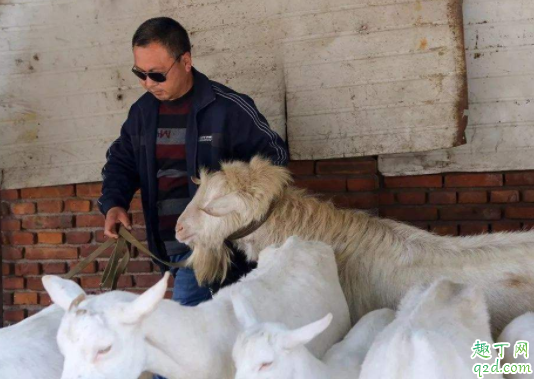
(62, 291)
(244, 313)
(302, 336)
(145, 304)
(224, 205)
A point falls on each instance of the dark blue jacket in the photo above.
(223, 125)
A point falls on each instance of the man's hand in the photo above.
(113, 217)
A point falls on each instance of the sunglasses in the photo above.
(158, 77)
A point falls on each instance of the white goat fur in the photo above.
(432, 335)
(29, 350)
(118, 335)
(379, 260)
(273, 351)
(521, 328)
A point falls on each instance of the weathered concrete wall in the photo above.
(499, 37)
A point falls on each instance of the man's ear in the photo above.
(62, 291)
(146, 303)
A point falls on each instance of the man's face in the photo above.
(155, 58)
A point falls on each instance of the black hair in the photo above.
(166, 31)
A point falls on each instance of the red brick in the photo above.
(22, 238)
(54, 268)
(472, 197)
(139, 266)
(44, 299)
(25, 269)
(368, 183)
(410, 213)
(411, 197)
(12, 316)
(301, 167)
(12, 283)
(422, 181)
(136, 205)
(528, 196)
(520, 178)
(47, 192)
(47, 222)
(89, 190)
(386, 198)
(89, 269)
(505, 196)
(473, 229)
(77, 205)
(86, 250)
(50, 206)
(470, 213)
(351, 166)
(78, 237)
(519, 212)
(26, 298)
(10, 224)
(7, 269)
(356, 200)
(51, 253)
(96, 220)
(52, 238)
(125, 281)
(323, 184)
(11, 253)
(9, 194)
(138, 219)
(7, 298)
(23, 208)
(34, 284)
(473, 180)
(442, 197)
(4, 239)
(100, 237)
(505, 226)
(145, 281)
(4, 208)
(445, 230)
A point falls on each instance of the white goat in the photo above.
(118, 335)
(520, 329)
(379, 260)
(432, 335)
(28, 349)
(271, 350)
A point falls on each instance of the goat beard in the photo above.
(210, 264)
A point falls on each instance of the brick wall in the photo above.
(46, 230)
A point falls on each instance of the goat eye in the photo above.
(104, 351)
(265, 365)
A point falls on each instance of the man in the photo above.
(183, 122)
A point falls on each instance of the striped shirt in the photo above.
(173, 191)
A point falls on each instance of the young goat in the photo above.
(379, 260)
(117, 335)
(272, 351)
(520, 329)
(432, 336)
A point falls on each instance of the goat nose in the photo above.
(179, 227)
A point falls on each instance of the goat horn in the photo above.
(76, 301)
(195, 180)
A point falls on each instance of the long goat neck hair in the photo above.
(258, 184)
